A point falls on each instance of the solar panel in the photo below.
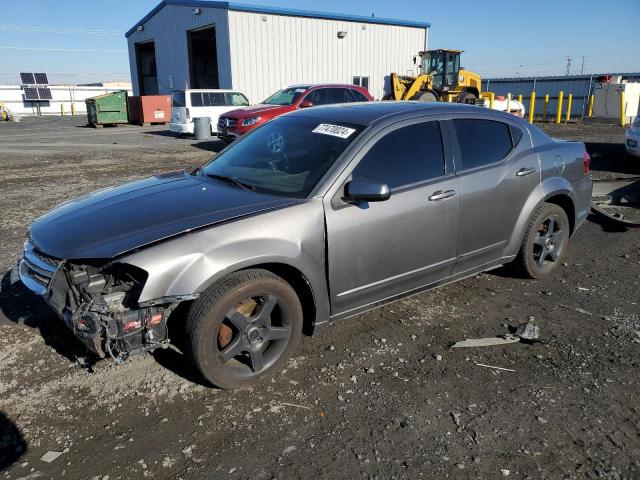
(27, 78)
(44, 93)
(30, 93)
(41, 78)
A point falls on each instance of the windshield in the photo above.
(178, 98)
(287, 96)
(637, 122)
(443, 66)
(433, 63)
(287, 156)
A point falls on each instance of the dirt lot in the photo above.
(379, 396)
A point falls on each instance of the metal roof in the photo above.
(561, 77)
(241, 7)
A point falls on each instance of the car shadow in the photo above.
(12, 443)
(164, 133)
(213, 145)
(611, 157)
(628, 195)
(506, 271)
(19, 306)
(608, 225)
(174, 359)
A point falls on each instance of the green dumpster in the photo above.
(108, 109)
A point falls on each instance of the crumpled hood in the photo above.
(110, 222)
(254, 110)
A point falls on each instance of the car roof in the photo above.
(217, 90)
(368, 113)
(319, 85)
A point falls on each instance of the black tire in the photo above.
(243, 328)
(467, 97)
(545, 242)
(425, 96)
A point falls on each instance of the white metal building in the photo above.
(65, 99)
(258, 50)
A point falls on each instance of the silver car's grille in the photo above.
(225, 122)
(37, 269)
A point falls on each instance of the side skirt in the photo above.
(459, 276)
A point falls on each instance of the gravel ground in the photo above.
(378, 396)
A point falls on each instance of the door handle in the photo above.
(440, 195)
(523, 172)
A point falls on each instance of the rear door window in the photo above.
(338, 95)
(356, 96)
(482, 142)
(318, 96)
(208, 99)
(404, 156)
(213, 99)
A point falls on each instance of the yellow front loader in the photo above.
(440, 78)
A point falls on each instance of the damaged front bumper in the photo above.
(98, 302)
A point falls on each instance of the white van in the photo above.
(189, 104)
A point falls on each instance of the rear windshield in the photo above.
(287, 96)
(178, 98)
(286, 156)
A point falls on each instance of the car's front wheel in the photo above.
(545, 242)
(243, 328)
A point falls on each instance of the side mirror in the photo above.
(366, 189)
(306, 104)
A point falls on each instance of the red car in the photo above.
(235, 123)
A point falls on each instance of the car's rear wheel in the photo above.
(243, 328)
(545, 242)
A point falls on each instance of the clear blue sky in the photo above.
(83, 41)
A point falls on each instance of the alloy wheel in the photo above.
(252, 336)
(548, 242)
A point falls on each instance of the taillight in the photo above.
(586, 161)
(188, 115)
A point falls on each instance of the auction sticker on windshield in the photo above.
(334, 130)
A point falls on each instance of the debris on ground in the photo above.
(486, 342)
(528, 331)
(456, 418)
(50, 456)
(576, 309)
(495, 368)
